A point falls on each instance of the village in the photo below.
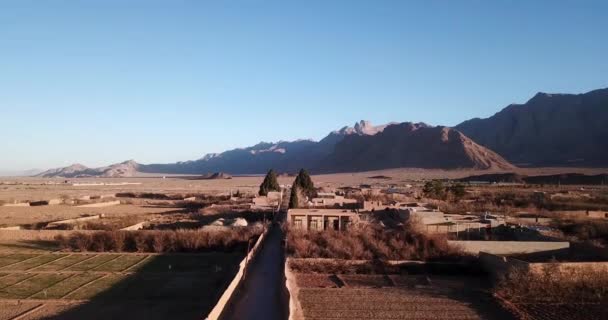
(361, 243)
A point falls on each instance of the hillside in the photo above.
(124, 169)
(413, 145)
(283, 156)
(548, 130)
(360, 148)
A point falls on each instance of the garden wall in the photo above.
(230, 292)
(498, 266)
(509, 247)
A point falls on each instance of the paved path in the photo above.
(263, 295)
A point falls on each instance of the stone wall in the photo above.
(497, 266)
(295, 309)
(100, 204)
(509, 247)
(229, 293)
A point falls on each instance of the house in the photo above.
(369, 190)
(330, 200)
(321, 219)
(426, 216)
(350, 192)
(379, 205)
(272, 199)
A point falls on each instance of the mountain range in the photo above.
(548, 130)
(124, 169)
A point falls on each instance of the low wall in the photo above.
(568, 267)
(497, 266)
(100, 204)
(11, 228)
(295, 309)
(21, 204)
(229, 293)
(530, 221)
(75, 220)
(582, 214)
(53, 202)
(137, 226)
(509, 247)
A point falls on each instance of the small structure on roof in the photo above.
(330, 199)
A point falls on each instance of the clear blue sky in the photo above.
(98, 82)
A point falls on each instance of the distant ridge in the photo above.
(548, 130)
(555, 179)
(216, 176)
(124, 169)
(411, 145)
(359, 148)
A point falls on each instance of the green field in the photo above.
(147, 285)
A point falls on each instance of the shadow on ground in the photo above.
(176, 286)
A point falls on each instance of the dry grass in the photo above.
(159, 241)
(111, 224)
(369, 243)
(555, 285)
(38, 216)
(585, 230)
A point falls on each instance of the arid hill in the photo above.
(414, 145)
(360, 148)
(283, 156)
(216, 176)
(124, 169)
(548, 130)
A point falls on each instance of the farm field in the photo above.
(112, 286)
(40, 279)
(581, 311)
(30, 215)
(324, 296)
(29, 188)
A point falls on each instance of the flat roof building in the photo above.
(321, 219)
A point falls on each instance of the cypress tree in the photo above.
(270, 183)
(293, 197)
(304, 182)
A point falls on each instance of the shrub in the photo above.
(294, 202)
(159, 241)
(270, 183)
(584, 229)
(78, 240)
(369, 243)
(555, 285)
(435, 190)
(304, 183)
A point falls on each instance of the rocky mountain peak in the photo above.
(362, 128)
(365, 127)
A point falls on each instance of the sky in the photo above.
(99, 82)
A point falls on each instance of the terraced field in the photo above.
(394, 297)
(112, 286)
